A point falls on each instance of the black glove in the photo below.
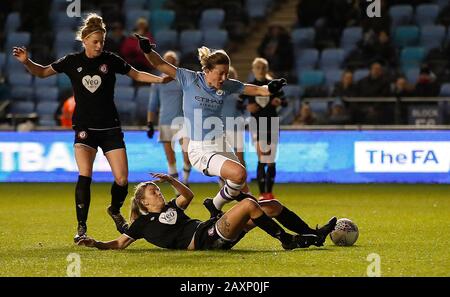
(275, 85)
(151, 130)
(144, 43)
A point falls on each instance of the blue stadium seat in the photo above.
(46, 111)
(127, 112)
(215, 38)
(257, 9)
(64, 41)
(406, 36)
(22, 107)
(319, 107)
(401, 14)
(432, 36)
(17, 39)
(412, 74)
(142, 98)
(22, 93)
(350, 36)
(426, 14)
(63, 22)
(190, 40)
(132, 16)
(2, 62)
(411, 57)
(50, 81)
(63, 82)
(124, 81)
(292, 92)
(124, 94)
(332, 76)
(13, 65)
(211, 19)
(309, 78)
(166, 40)
(360, 74)
(306, 58)
(303, 38)
(134, 4)
(445, 90)
(46, 94)
(20, 79)
(287, 114)
(13, 22)
(162, 19)
(155, 4)
(331, 58)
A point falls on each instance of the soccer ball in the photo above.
(345, 233)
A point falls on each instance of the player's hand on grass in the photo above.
(161, 177)
(89, 242)
(20, 53)
(144, 43)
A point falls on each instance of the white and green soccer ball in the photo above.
(345, 233)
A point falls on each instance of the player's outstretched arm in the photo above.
(273, 87)
(146, 77)
(154, 58)
(38, 70)
(186, 195)
(118, 244)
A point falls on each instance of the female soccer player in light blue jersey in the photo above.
(203, 98)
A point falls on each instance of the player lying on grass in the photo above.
(166, 225)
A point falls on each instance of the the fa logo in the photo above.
(374, 9)
(74, 8)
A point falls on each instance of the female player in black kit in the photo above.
(167, 226)
(95, 119)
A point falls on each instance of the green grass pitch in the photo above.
(406, 225)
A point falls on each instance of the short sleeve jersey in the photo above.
(201, 102)
(171, 228)
(93, 81)
(169, 99)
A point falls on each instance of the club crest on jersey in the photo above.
(82, 135)
(169, 217)
(103, 68)
(219, 92)
(211, 231)
(79, 69)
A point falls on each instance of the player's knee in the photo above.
(240, 176)
(250, 204)
(121, 181)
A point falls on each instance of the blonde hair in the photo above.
(171, 54)
(92, 24)
(232, 73)
(137, 209)
(209, 59)
(263, 61)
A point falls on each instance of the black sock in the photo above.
(270, 180)
(83, 198)
(261, 177)
(118, 195)
(272, 228)
(293, 222)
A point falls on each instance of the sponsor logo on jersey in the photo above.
(92, 83)
(82, 135)
(168, 217)
(103, 68)
(262, 100)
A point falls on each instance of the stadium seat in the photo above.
(64, 82)
(134, 4)
(432, 36)
(2, 62)
(22, 93)
(161, 19)
(350, 36)
(303, 38)
(46, 112)
(401, 15)
(166, 40)
(445, 90)
(287, 114)
(257, 9)
(306, 58)
(155, 4)
(22, 107)
(17, 39)
(63, 22)
(142, 98)
(412, 74)
(215, 38)
(331, 58)
(309, 78)
(50, 81)
(20, 79)
(13, 22)
(13, 66)
(292, 92)
(46, 94)
(360, 74)
(124, 81)
(211, 19)
(131, 17)
(127, 112)
(406, 36)
(319, 107)
(411, 57)
(332, 76)
(64, 40)
(426, 14)
(190, 40)
(124, 94)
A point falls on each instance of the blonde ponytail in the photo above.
(209, 59)
(92, 24)
(136, 209)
